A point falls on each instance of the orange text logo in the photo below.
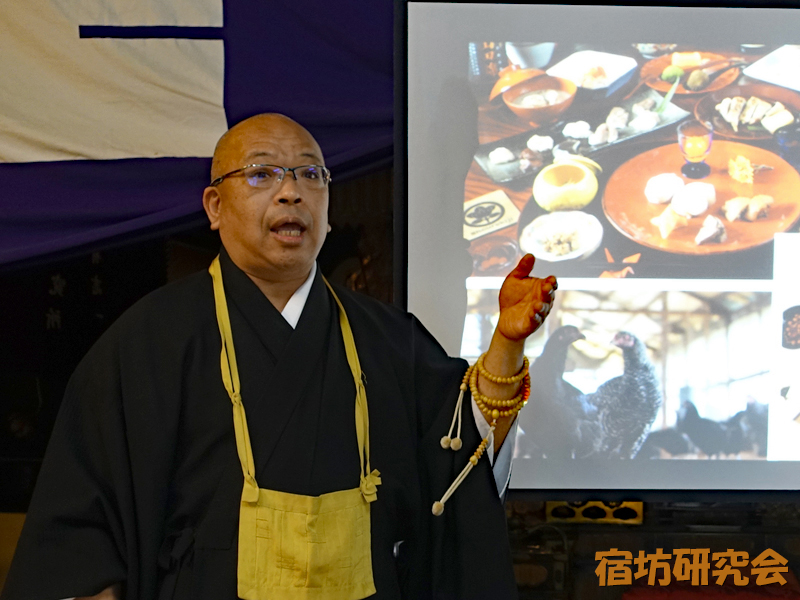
(619, 567)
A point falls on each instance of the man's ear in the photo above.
(211, 202)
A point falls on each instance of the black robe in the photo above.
(141, 481)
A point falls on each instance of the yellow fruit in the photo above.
(565, 185)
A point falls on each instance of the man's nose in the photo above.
(288, 190)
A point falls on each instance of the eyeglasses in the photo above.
(310, 177)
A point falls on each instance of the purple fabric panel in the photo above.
(326, 64)
(47, 207)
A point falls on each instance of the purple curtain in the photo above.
(328, 65)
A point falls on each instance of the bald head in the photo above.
(234, 145)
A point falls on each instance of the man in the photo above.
(139, 496)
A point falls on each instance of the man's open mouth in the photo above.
(289, 229)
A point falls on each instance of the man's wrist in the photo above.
(504, 357)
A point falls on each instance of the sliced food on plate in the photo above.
(562, 235)
(661, 188)
(750, 111)
(747, 209)
(693, 199)
(540, 143)
(501, 155)
(737, 110)
(712, 231)
(668, 221)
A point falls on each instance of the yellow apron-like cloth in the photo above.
(291, 546)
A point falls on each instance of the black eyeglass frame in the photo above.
(326, 173)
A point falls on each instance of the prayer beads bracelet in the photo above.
(490, 407)
(502, 380)
(504, 408)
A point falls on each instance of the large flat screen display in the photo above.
(648, 157)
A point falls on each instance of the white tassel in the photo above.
(454, 443)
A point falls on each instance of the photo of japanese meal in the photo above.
(620, 160)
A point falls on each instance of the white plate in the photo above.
(780, 67)
(587, 231)
(577, 65)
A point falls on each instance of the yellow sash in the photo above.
(291, 546)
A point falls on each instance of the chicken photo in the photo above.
(709, 436)
(627, 405)
(559, 422)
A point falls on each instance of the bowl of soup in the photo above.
(540, 100)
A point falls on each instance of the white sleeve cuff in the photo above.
(502, 466)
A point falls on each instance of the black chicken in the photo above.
(747, 430)
(735, 437)
(755, 425)
(670, 440)
(710, 437)
(559, 423)
(628, 404)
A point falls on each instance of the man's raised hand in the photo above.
(525, 301)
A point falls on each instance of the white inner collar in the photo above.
(294, 307)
